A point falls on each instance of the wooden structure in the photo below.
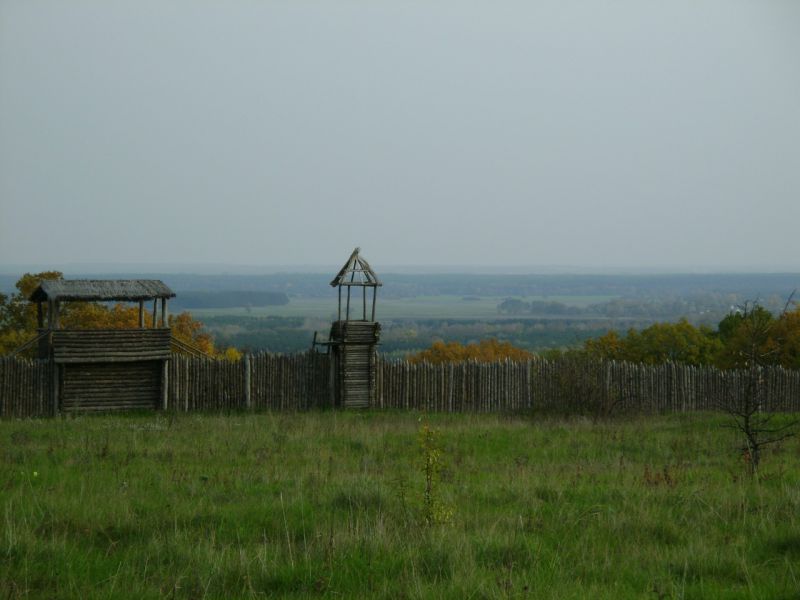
(292, 382)
(353, 341)
(105, 369)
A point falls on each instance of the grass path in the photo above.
(329, 504)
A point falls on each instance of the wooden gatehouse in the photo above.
(105, 369)
(353, 340)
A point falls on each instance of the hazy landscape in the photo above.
(582, 378)
(280, 312)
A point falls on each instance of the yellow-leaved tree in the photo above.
(484, 351)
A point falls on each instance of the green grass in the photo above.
(329, 504)
(418, 307)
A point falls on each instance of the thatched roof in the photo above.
(101, 289)
(356, 271)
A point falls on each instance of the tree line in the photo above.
(730, 345)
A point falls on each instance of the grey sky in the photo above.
(596, 133)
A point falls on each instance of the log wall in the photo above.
(354, 359)
(110, 386)
(110, 345)
(302, 382)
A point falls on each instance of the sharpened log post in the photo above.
(247, 377)
(332, 377)
(164, 384)
(54, 391)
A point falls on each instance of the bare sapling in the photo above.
(746, 403)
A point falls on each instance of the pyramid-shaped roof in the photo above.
(356, 271)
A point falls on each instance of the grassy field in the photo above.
(418, 307)
(331, 504)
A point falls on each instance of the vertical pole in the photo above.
(347, 315)
(164, 382)
(54, 391)
(44, 343)
(339, 318)
(50, 324)
(333, 377)
(364, 294)
(155, 312)
(164, 320)
(141, 314)
(247, 377)
(374, 296)
(56, 315)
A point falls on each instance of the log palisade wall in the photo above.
(25, 387)
(301, 382)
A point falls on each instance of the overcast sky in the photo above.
(603, 134)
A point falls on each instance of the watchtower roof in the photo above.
(356, 272)
(101, 289)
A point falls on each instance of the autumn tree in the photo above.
(779, 342)
(658, 343)
(786, 333)
(484, 351)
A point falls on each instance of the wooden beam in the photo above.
(164, 384)
(164, 319)
(141, 314)
(248, 400)
(365, 303)
(374, 297)
(39, 315)
(54, 390)
(155, 312)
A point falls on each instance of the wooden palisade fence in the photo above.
(302, 382)
(25, 387)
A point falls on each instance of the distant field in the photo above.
(329, 505)
(421, 307)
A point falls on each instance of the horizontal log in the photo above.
(110, 359)
(109, 405)
(109, 408)
(88, 394)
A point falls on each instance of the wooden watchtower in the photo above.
(353, 339)
(105, 369)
